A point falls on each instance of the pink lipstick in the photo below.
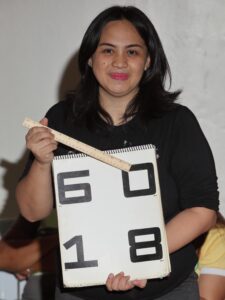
(119, 76)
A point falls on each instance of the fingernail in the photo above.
(110, 276)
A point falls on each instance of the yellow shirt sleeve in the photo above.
(212, 253)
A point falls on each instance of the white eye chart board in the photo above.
(110, 220)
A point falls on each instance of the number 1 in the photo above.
(81, 263)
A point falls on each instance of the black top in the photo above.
(186, 173)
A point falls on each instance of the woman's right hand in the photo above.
(40, 141)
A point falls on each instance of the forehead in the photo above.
(121, 31)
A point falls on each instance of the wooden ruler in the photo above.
(82, 147)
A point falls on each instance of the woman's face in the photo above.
(119, 61)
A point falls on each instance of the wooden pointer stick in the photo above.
(82, 147)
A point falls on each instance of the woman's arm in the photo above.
(188, 225)
(34, 193)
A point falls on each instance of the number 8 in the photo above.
(155, 243)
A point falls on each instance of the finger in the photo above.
(43, 146)
(116, 281)
(109, 282)
(44, 122)
(140, 283)
(46, 147)
(44, 152)
(37, 135)
(125, 284)
(113, 282)
(119, 282)
(37, 129)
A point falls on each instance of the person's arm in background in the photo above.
(212, 287)
(211, 264)
(21, 229)
(19, 255)
(20, 247)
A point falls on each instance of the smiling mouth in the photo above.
(119, 76)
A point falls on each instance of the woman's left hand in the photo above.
(120, 282)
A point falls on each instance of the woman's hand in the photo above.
(120, 282)
(40, 141)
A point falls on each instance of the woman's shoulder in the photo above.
(179, 118)
(182, 117)
(59, 114)
(181, 111)
(60, 108)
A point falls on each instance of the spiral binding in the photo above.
(114, 151)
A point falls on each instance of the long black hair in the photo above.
(152, 98)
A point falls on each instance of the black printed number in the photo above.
(82, 187)
(80, 263)
(154, 244)
(151, 190)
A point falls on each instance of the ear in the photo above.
(148, 62)
(90, 62)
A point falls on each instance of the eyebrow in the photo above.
(128, 46)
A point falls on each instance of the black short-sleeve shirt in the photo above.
(186, 172)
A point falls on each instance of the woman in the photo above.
(122, 101)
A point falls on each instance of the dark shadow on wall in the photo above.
(13, 171)
(70, 77)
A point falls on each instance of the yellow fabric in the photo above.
(212, 253)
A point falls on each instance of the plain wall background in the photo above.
(39, 43)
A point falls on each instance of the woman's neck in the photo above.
(115, 107)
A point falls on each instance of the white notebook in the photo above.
(110, 220)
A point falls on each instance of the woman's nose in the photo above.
(120, 60)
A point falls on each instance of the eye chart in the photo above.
(110, 220)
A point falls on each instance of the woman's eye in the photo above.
(132, 52)
(108, 51)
